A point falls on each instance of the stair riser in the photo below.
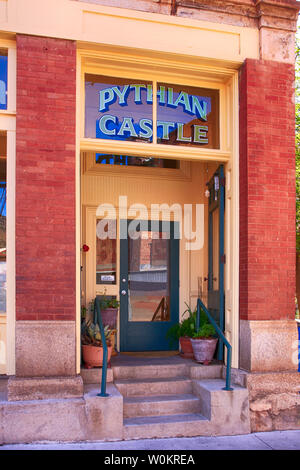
(159, 388)
(150, 372)
(168, 430)
(132, 410)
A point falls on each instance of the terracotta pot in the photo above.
(204, 349)
(109, 317)
(186, 347)
(93, 355)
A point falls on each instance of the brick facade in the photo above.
(45, 179)
(267, 191)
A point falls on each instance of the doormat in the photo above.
(151, 353)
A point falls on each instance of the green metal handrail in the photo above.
(98, 320)
(200, 305)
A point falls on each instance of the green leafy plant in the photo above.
(109, 303)
(187, 327)
(205, 331)
(106, 302)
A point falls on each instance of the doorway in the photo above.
(149, 284)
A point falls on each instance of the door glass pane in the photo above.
(106, 245)
(2, 223)
(148, 277)
(215, 273)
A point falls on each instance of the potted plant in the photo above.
(109, 310)
(184, 330)
(92, 347)
(204, 343)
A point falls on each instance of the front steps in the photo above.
(179, 400)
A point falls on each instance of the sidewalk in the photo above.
(275, 440)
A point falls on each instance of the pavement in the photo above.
(275, 440)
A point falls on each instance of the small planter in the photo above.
(109, 317)
(204, 349)
(93, 355)
(186, 347)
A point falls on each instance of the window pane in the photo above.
(106, 252)
(148, 277)
(118, 109)
(3, 79)
(125, 160)
(187, 116)
(2, 223)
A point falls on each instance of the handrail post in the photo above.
(98, 319)
(200, 304)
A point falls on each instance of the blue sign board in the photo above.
(121, 109)
(3, 81)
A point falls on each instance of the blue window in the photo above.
(3, 80)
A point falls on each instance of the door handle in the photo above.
(123, 292)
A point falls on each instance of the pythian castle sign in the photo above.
(190, 104)
(123, 110)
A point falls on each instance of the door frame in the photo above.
(214, 204)
(174, 266)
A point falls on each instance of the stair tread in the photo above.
(152, 380)
(158, 398)
(164, 419)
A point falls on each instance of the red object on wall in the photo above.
(45, 179)
(85, 248)
(267, 191)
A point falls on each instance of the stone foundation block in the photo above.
(41, 388)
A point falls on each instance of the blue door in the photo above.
(149, 284)
(216, 256)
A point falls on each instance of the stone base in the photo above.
(268, 345)
(76, 419)
(274, 401)
(45, 348)
(41, 388)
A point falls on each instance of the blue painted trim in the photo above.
(98, 320)
(200, 305)
(149, 336)
(213, 205)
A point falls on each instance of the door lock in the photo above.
(123, 292)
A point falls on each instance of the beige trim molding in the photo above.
(94, 23)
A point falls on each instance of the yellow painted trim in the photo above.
(11, 253)
(92, 23)
(8, 124)
(78, 218)
(153, 150)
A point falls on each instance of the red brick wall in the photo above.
(267, 191)
(45, 179)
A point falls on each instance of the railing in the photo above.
(98, 320)
(200, 305)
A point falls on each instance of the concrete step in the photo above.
(153, 371)
(94, 375)
(160, 405)
(178, 425)
(146, 387)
